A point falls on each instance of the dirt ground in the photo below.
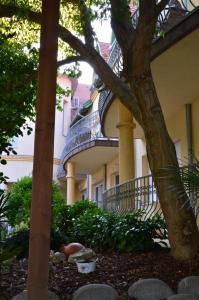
(117, 270)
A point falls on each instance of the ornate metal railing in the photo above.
(170, 16)
(85, 130)
(140, 193)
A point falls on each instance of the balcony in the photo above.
(82, 137)
(174, 24)
(140, 194)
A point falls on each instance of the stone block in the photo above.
(183, 297)
(189, 285)
(150, 289)
(96, 292)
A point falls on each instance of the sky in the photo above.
(103, 32)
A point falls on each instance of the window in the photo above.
(75, 102)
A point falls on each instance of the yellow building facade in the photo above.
(107, 160)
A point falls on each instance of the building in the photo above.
(21, 165)
(105, 155)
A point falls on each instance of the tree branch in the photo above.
(121, 23)
(144, 36)
(85, 21)
(70, 60)
(114, 83)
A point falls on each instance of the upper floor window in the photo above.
(75, 102)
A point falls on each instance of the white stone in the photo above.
(83, 255)
(96, 292)
(149, 289)
(183, 297)
(23, 296)
(189, 285)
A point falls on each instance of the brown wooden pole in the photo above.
(40, 223)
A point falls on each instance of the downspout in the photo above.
(188, 108)
(105, 177)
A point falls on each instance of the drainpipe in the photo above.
(188, 108)
(105, 177)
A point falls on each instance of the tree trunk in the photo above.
(179, 216)
(40, 224)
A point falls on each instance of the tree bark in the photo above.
(40, 224)
(179, 216)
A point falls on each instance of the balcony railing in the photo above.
(85, 130)
(170, 16)
(140, 193)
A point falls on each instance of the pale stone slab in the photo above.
(189, 285)
(95, 292)
(150, 289)
(183, 297)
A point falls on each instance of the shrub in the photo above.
(65, 215)
(18, 244)
(20, 201)
(110, 231)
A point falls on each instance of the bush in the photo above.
(65, 215)
(20, 201)
(18, 244)
(85, 223)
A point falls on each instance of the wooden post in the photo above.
(40, 223)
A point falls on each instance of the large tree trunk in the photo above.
(179, 216)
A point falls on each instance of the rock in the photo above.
(150, 289)
(189, 285)
(96, 292)
(71, 248)
(83, 255)
(23, 296)
(183, 297)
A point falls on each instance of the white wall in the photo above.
(21, 165)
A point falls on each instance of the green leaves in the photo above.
(89, 225)
(17, 93)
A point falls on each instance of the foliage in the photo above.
(85, 223)
(18, 244)
(64, 215)
(20, 201)
(17, 93)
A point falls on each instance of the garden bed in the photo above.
(117, 270)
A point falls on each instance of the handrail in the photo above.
(86, 129)
(140, 193)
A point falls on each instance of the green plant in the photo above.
(19, 201)
(65, 215)
(110, 231)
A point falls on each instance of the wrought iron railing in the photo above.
(140, 193)
(171, 15)
(85, 130)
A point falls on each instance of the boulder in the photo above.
(71, 248)
(183, 297)
(189, 285)
(23, 296)
(85, 254)
(150, 289)
(96, 292)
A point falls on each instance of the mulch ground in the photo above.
(117, 270)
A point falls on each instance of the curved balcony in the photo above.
(140, 194)
(82, 136)
(175, 22)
